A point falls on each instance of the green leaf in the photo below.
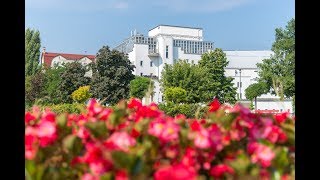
(62, 120)
(98, 129)
(73, 144)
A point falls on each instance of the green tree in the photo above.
(139, 86)
(111, 75)
(34, 87)
(187, 76)
(218, 85)
(72, 78)
(32, 51)
(255, 90)
(278, 72)
(175, 95)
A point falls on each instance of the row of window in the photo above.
(141, 63)
(193, 47)
(144, 40)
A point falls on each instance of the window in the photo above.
(237, 84)
(240, 95)
(167, 52)
(151, 64)
(141, 74)
(141, 63)
(240, 84)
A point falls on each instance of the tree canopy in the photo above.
(139, 86)
(255, 90)
(278, 72)
(203, 81)
(32, 51)
(111, 75)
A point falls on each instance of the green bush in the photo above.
(175, 94)
(189, 110)
(62, 108)
(82, 94)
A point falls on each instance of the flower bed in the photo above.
(132, 141)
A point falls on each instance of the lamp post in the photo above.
(240, 84)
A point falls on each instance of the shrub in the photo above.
(82, 94)
(132, 141)
(175, 94)
(189, 110)
(62, 108)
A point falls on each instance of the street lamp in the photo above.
(240, 84)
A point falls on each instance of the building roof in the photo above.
(246, 59)
(175, 26)
(48, 56)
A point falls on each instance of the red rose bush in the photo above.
(134, 141)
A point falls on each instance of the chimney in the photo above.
(42, 55)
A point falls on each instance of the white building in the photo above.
(166, 44)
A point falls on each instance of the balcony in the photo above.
(153, 53)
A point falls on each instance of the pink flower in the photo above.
(219, 170)
(202, 139)
(89, 176)
(261, 154)
(121, 140)
(46, 132)
(31, 147)
(176, 172)
(164, 130)
(93, 108)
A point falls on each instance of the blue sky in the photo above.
(84, 26)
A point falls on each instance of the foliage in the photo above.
(82, 94)
(61, 108)
(187, 76)
(34, 87)
(111, 76)
(189, 110)
(219, 85)
(256, 90)
(133, 141)
(278, 72)
(32, 51)
(72, 78)
(175, 94)
(139, 86)
(53, 78)
(203, 81)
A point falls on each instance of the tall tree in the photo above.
(187, 76)
(278, 72)
(219, 85)
(32, 51)
(72, 78)
(111, 75)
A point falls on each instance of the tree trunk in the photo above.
(255, 103)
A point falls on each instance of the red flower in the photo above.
(121, 175)
(219, 170)
(281, 118)
(264, 174)
(28, 117)
(165, 130)
(134, 133)
(214, 105)
(176, 172)
(134, 103)
(195, 126)
(31, 147)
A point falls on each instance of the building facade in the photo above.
(165, 44)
